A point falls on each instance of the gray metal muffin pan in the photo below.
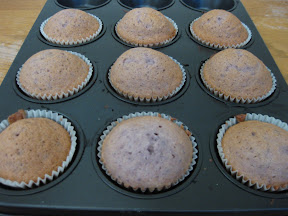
(84, 188)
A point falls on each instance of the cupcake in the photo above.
(147, 151)
(35, 149)
(147, 75)
(70, 27)
(54, 74)
(146, 27)
(255, 151)
(220, 29)
(238, 76)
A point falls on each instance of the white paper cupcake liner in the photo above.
(150, 45)
(229, 123)
(55, 173)
(59, 95)
(207, 43)
(239, 100)
(145, 99)
(80, 41)
(137, 114)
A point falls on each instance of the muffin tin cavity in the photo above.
(80, 145)
(151, 103)
(206, 5)
(218, 161)
(23, 95)
(155, 4)
(183, 183)
(83, 4)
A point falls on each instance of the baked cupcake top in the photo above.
(31, 148)
(220, 27)
(71, 25)
(237, 73)
(258, 151)
(52, 72)
(145, 26)
(145, 73)
(147, 152)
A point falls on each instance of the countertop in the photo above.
(18, 16)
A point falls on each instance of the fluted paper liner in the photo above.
(229, 123)
(60, 95)
(235, 99)
(55, 173)
(79, 41)
(137, 114)
(152, 99)
(150, 45)
(218, 45)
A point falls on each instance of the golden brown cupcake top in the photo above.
(145, 26)
(52, 72)
(259, 151)
(20, 114)
(145, 73)
(147, 152)
(237, 73)
(220, 27)
(31, 148)
(71, 25)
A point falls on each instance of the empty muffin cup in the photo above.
(83, 4)
(206, 5)
(155, 4)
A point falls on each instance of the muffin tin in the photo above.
(84, 188)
